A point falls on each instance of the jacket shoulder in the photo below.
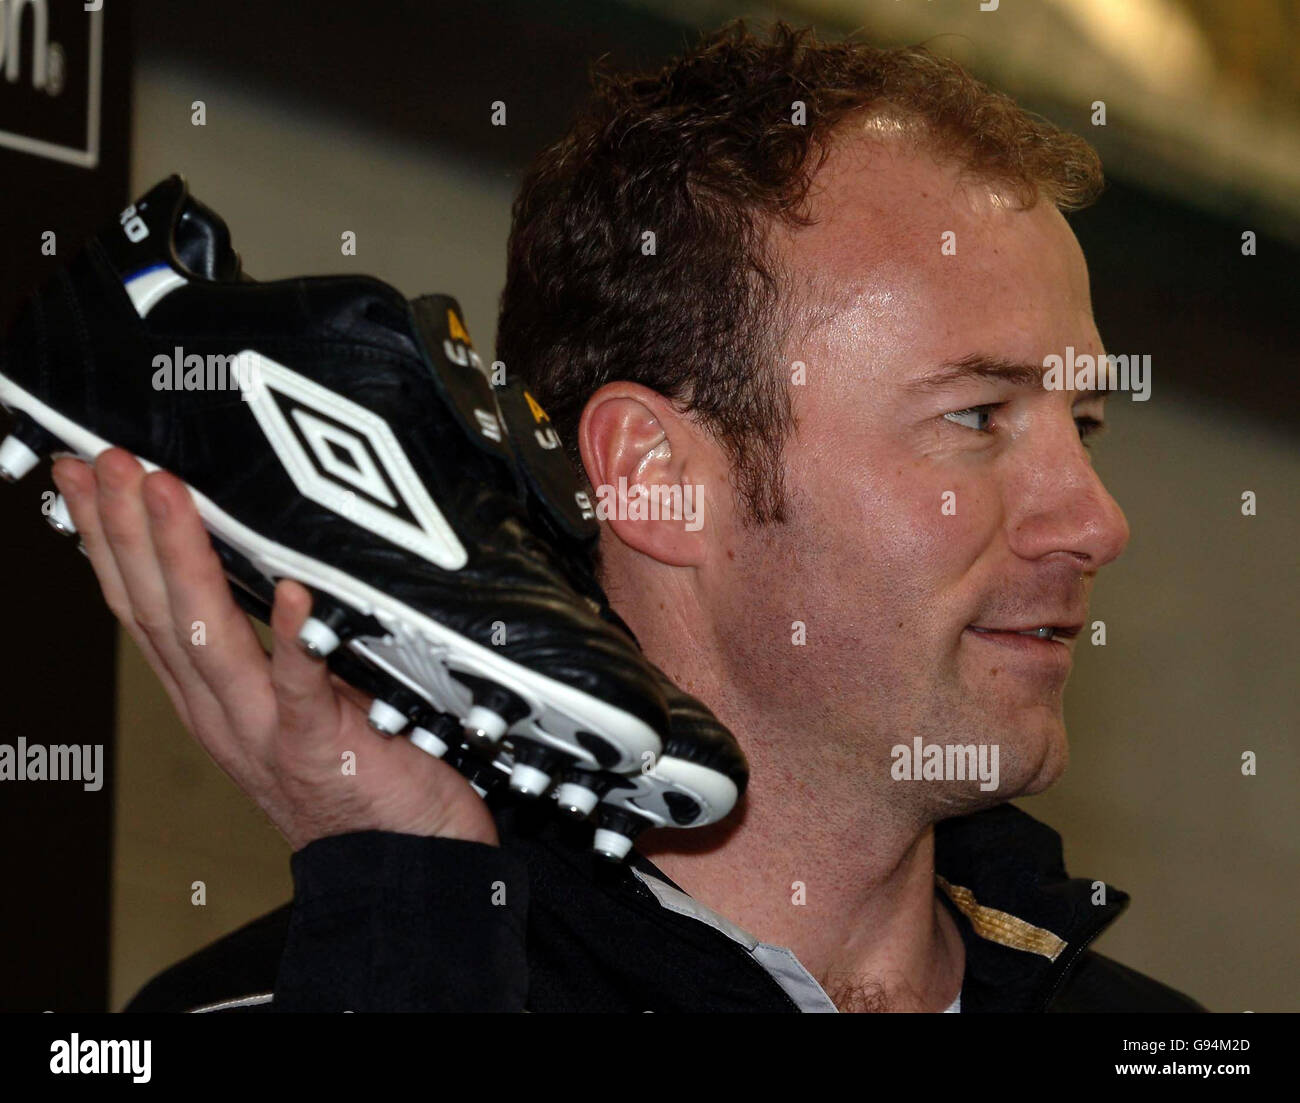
(238, 969)
(1101, 984)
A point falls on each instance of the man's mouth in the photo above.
(1037, 650)
(1042, 632)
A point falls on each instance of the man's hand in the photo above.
(280, 724)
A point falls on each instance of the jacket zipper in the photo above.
(1073, 960)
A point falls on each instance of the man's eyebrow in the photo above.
(979, 366)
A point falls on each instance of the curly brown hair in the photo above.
(708, 154)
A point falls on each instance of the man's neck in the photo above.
(859, 911)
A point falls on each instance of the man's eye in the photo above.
(1089, 427)
(976, 417)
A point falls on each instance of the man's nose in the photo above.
(1061, 505)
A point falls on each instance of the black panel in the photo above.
(57, 678)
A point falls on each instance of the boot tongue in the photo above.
(506, 421)
(555, 493)
(202, 242)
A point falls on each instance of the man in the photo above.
(815, 285)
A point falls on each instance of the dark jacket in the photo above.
(387, 922)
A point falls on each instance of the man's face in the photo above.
(927, 502)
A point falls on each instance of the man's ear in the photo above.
(647, 464)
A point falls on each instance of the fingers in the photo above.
(119, 476)
(215, 634)
(308, 705)
(120, 535)
(77, 483)
(126, 529)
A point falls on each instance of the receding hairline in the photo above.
(894, 128)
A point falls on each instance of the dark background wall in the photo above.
(57, 678)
